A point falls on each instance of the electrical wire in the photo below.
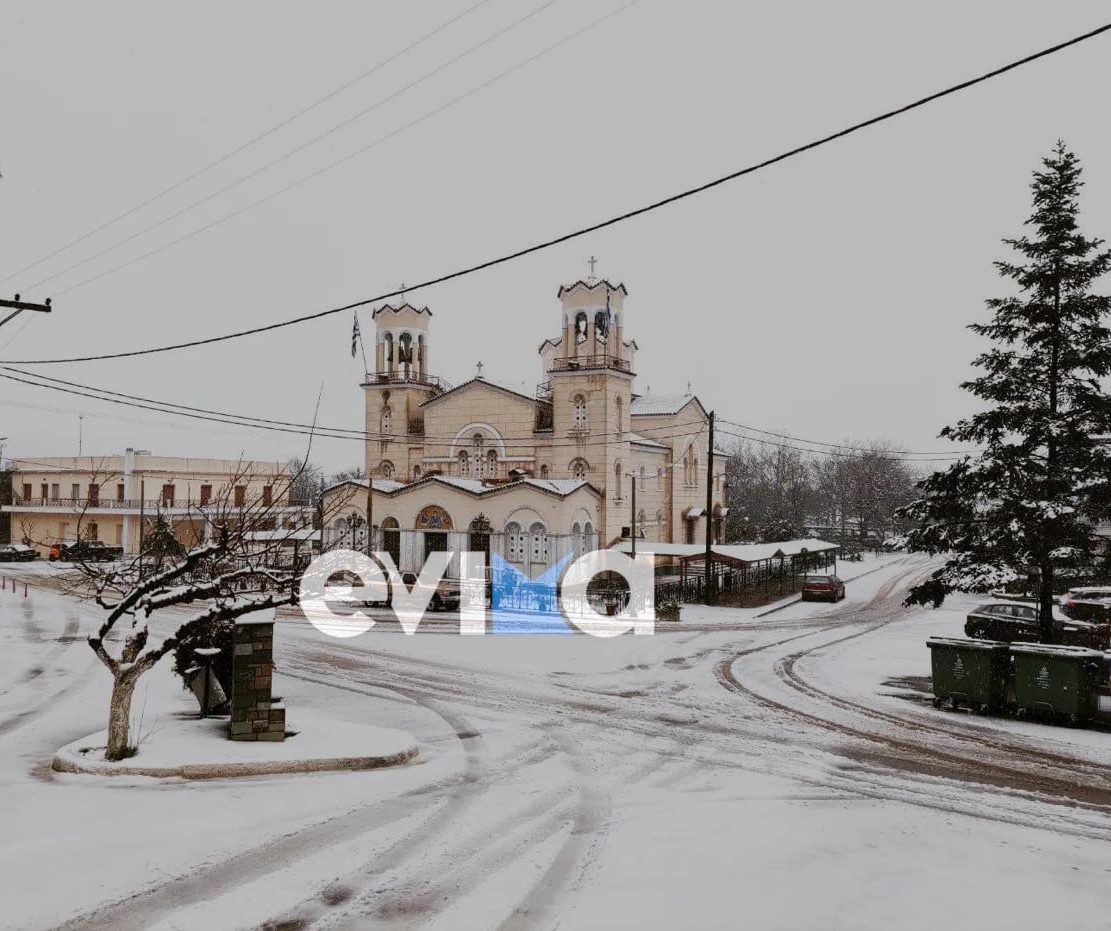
(350, 155)
(585, 230)
(254, 140)
(801, 439)
(294, 151)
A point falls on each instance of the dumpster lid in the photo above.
(966, 644)
(1054, 649)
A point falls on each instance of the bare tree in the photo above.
(227, 570)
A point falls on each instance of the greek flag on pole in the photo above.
(355, 334)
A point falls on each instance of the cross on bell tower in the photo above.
(592, 262)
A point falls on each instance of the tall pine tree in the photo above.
(1028, 504)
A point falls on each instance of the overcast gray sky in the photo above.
(825, 296)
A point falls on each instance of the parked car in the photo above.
(17, 552)
(1008, 622)
(822, 588)
(1091, 603)
(85, 551)
(446, 597)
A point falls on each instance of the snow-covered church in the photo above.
(533, 476)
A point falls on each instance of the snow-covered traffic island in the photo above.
(181, 745)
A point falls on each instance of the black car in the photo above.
(1007, 622)
(17, 552)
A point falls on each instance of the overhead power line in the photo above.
(841, 454)
(594, 227)
(281, 124)
(405, 127)
(289, 153)
(845, 446)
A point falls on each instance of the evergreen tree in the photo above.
(1028, 504)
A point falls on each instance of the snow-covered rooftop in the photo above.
(648, 404)
(644, 441)
(742, 552)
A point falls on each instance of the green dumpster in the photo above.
(969, 672)
(1058, 681)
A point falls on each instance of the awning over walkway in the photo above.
(746, 553)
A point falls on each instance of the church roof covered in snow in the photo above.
(398, 308)
(591, 285)
(646, 405)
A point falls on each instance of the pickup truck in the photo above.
(85, 551)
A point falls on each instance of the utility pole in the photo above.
(709, 580)
(633, 515)
(369, 514)
(17, 307)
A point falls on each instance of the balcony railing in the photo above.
(148, 504)
(597, 360)
(410, 378)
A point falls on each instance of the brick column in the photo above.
(255, 715)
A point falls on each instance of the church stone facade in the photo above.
(543, 473)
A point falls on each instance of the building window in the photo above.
(539, 547)
(579, 468)
(91, 531)
(617, 476)
(240, 495)
(464, 462)
(543, 471)
(577, 538)
(267, 495)
(386, 468)
(94, 494)
(588, 536)
(387, 420)
(74, 491)
(578, 412)
(416, 472)
(659, 524)
(514, 543)
(620, 408)
(120, 492)
(492, 463)
(168, 494)
(206, 494)
(26, 491)
(119, 534)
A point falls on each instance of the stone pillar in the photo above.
(255, 714)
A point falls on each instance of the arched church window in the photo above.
(620, 409)
(514, 543)
(386, 468)
(539, 549)
(464, 462)
(659, 524)
(387, 419)
(405, 348)
(492, 463)
(641, 518)
(579, 468)
(580, 326)
(416, 473)
(588, 536)
(601, 326)
(578, 412)
(389, 348)
(543, 471)
(576, 538)
(617, 476)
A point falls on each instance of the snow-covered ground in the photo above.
(731, 771)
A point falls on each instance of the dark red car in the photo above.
(822, 588)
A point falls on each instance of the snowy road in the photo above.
(732, 771)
